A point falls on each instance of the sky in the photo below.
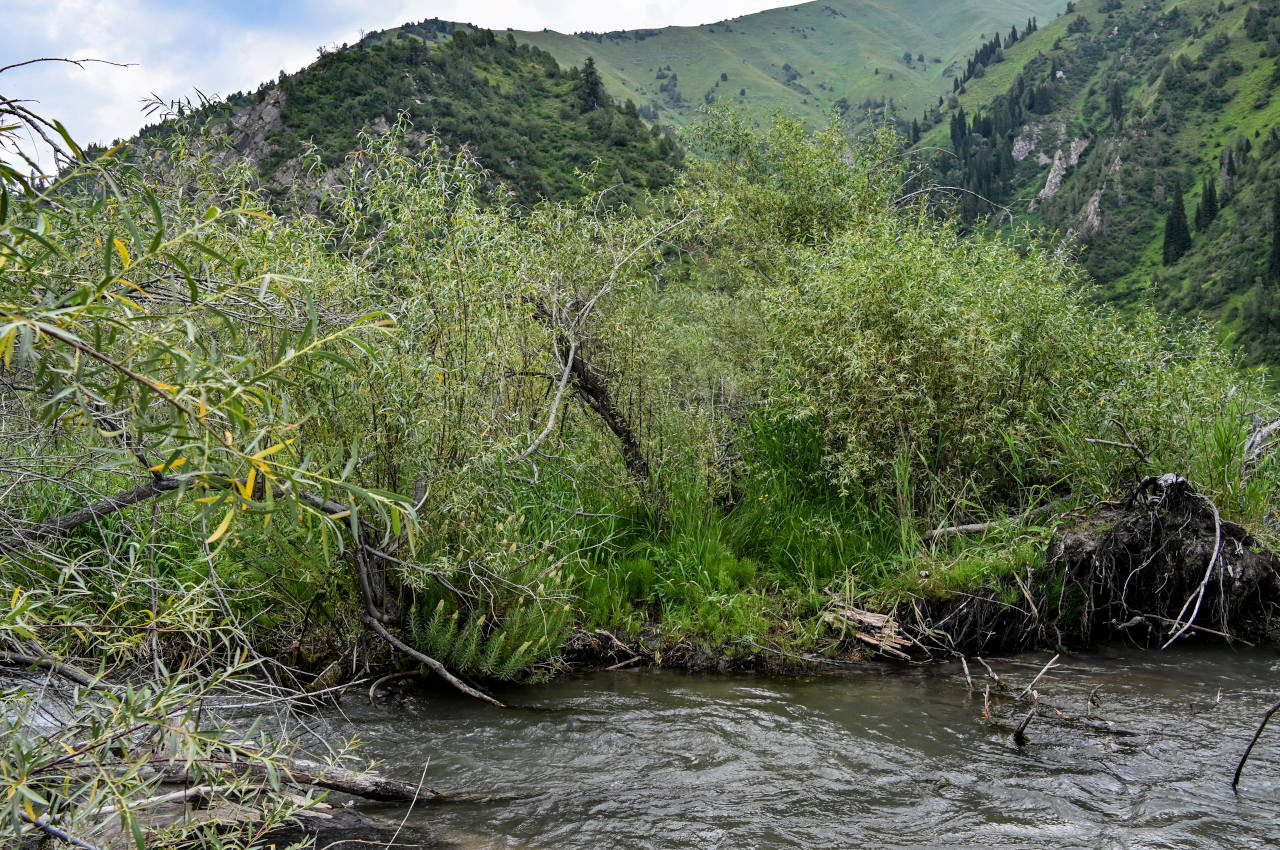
(221, 46)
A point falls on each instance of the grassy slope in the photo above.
(836, 45)
(1216, 279)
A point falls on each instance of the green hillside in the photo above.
(804, 60)
(532, 124)
(1139, 104)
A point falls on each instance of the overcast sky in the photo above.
(222, 46)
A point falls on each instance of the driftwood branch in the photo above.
(1045, 669)
(42, 823)
(980, 527)
(1256, 735)
(368, 786)
(1020, 734)
(181, 795)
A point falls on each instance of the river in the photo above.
(871, 757)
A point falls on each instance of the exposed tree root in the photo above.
(1157, 568)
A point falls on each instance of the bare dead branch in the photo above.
(79, 63)
(435, 666)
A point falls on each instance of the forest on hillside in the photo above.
(1146, 134)
(535, 125)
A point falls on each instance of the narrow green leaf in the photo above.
(66, 137)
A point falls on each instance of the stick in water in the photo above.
(1020, 734)
(1256, 735)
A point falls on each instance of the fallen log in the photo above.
(368, 786)
(60, 668)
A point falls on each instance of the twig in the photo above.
(992, 673)
(373, 689)
(555, 405)
(421, 779)
(1045, 669)
(76, 62)
(1035, 612)
(1134, 447)
(622, 664)
(1256, 735)
(967, 677)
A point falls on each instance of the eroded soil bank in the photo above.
(1158, 567)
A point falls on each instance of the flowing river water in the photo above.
(871, 757)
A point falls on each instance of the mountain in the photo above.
(1151, 134)
(854, 55)
(530, 122)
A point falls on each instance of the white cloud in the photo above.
(175, 47)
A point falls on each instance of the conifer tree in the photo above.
(1209, 200)
(589, 88)
(1177, 236)
(1273, 263)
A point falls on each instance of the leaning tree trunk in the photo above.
(591, 387)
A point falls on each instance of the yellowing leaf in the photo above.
(122, 251)
(247, 489)
(222, 526)
(125, 299)
(268, 452)
(340, 515)
(165, 467)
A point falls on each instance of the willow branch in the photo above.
(55, 527)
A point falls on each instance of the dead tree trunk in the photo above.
(594, 392)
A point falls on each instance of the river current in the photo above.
(871, 757)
